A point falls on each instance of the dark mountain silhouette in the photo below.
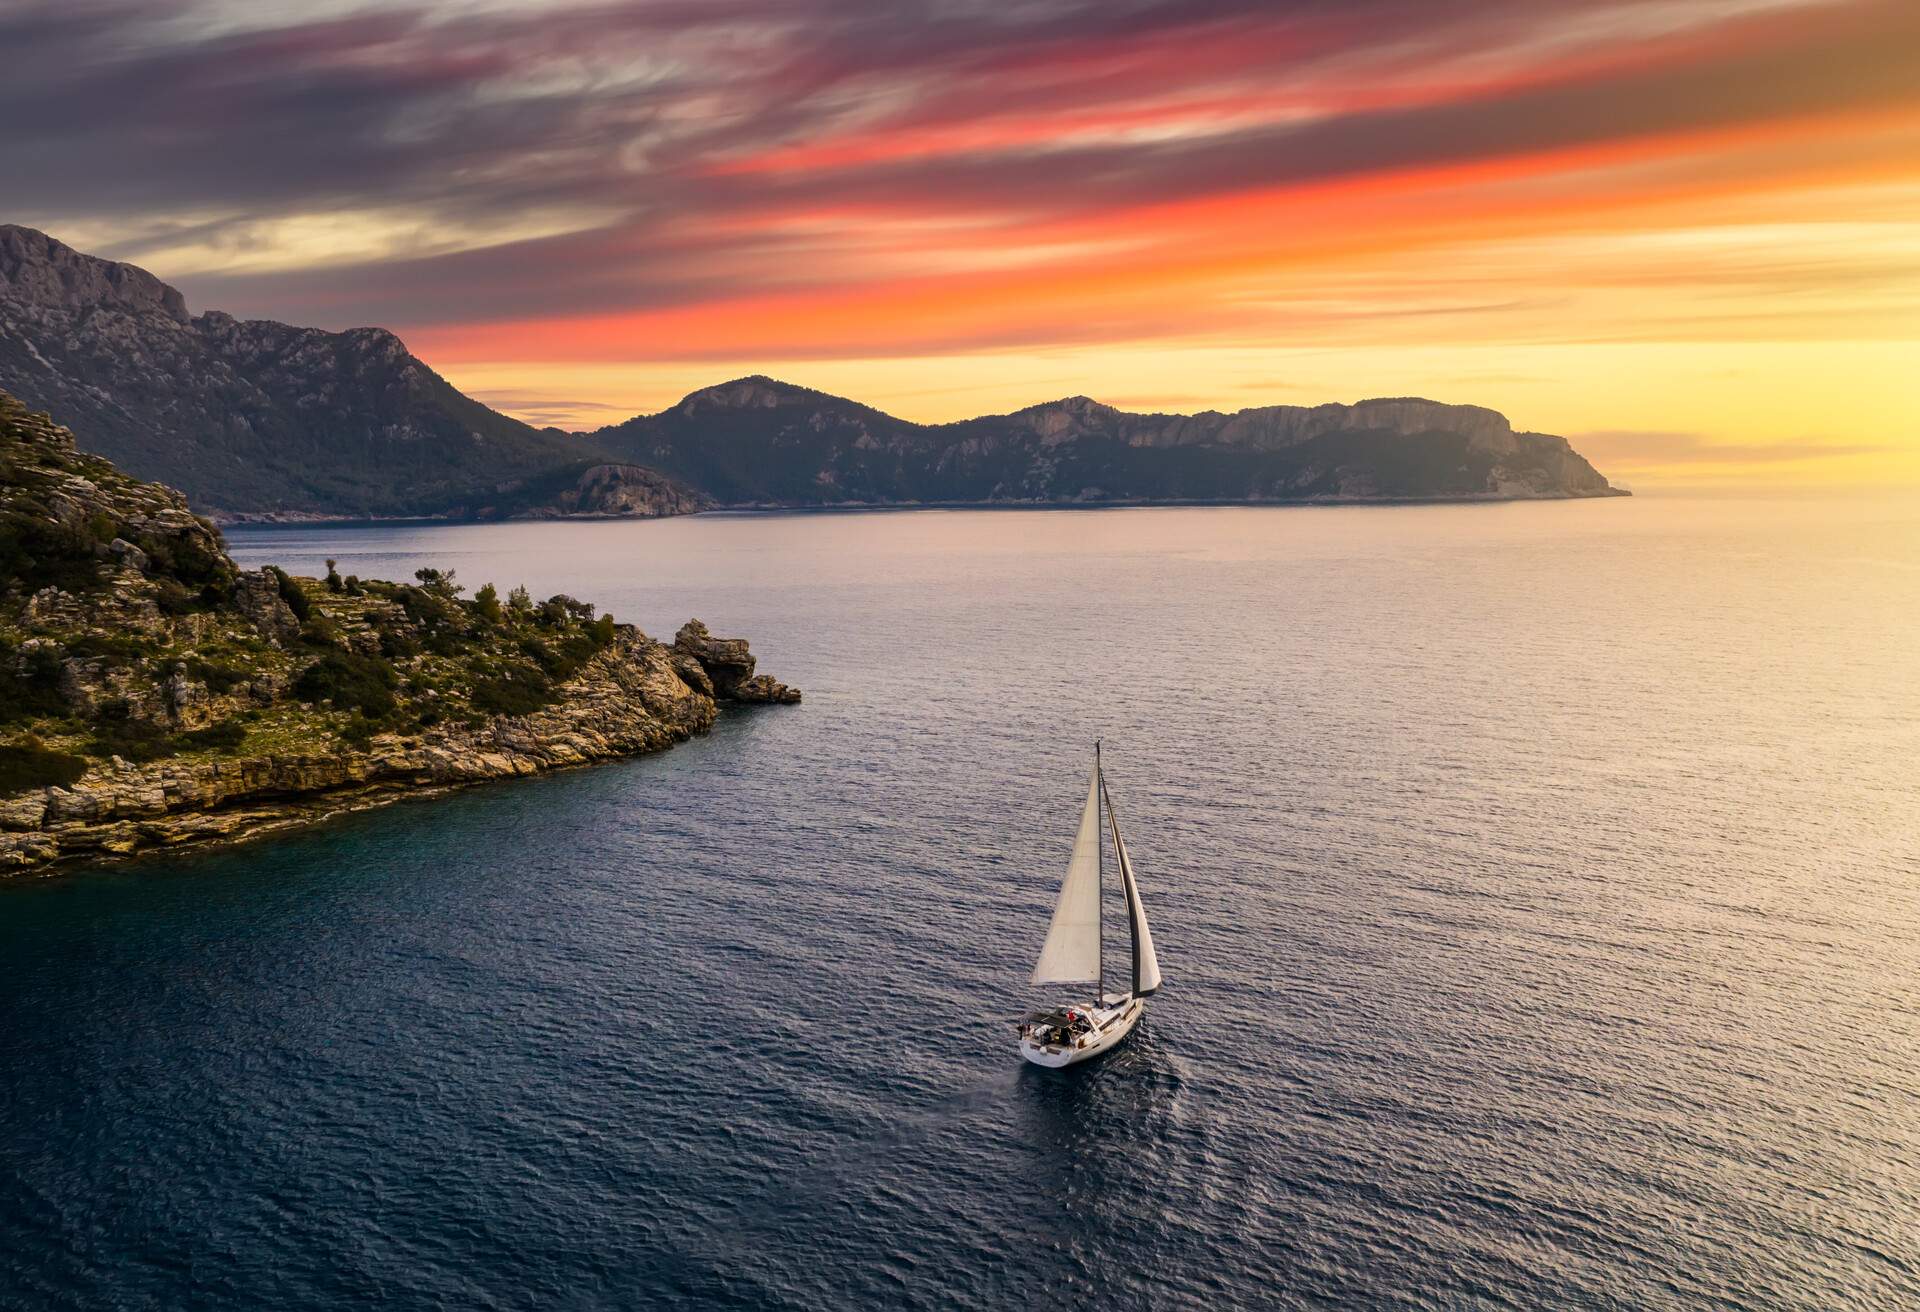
(756, 441)
(255, 418)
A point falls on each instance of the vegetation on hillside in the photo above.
(126, 631)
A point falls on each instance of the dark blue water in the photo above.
(1537, 887)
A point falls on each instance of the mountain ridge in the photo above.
(254, 418)
(756, 440)
(261, 420)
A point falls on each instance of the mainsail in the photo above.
(1146, 966)
(1072, 950)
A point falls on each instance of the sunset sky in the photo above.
(1685, 233)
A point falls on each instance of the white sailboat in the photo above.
(1073, 951)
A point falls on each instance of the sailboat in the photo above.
(1073, 952)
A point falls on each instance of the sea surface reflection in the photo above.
(1537, 886)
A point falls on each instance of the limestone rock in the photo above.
(130, 556)
(628, 491)
(693, 673)
(727, 665)
(764, 688)
(726, 661)
(257, 594)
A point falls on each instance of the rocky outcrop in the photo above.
(153, 694)
(256, 595)
(630, 699)
(756, 441)
(37, 270)
(725, 666)
(606, 491)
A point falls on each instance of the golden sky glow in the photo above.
(1687, 235)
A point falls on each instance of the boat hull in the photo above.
(1112, 1025)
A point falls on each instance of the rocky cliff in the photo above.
(756, 441)
(262, 419)
(152, 693)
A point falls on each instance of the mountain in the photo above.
(154, 693)
(253, 417)
(756, 441)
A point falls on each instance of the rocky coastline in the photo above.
(153, 694)
(638, 696)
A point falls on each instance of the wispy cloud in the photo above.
(620, 157)
(684, 184)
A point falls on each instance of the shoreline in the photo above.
(294, 814)
(640, 697)
(302, 520)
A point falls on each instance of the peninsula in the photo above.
(152, 693)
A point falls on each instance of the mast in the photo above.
(1120, 858)
(1100, 874)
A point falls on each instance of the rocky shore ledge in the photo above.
(637, 696)
(153, 694)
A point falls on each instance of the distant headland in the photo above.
(256, 420)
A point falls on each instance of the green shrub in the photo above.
(486, 604)
(439, 582)
(521, 690)
(37, 553)
(562, 658)
(31, 764)
(558, 610)
(602, 631)
(292, 594)
(186, 559)
(322, 632)
(349, 681)
(221, 737)
(218, 678)
(358, 732)
(397, 646)
(118, 733)
(423, 607)
(334, 582)
(33, 691)
(117, 647)
(172, 597)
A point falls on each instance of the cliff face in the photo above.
(152, 693)
(250, 416)
(757, 441)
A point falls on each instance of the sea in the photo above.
(1537, 888)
